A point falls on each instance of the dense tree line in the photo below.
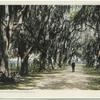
(89, 17)
(51, 31)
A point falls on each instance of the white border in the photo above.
(49, 93)
(49, 2)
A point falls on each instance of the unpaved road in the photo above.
(61, 80)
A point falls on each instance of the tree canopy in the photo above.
(55, 33)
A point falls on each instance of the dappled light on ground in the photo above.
(63, 79)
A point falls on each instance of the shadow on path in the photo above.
(65, 79)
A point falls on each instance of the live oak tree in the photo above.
(8, 24)
(51, 31)
(45, 25)
(89, 16)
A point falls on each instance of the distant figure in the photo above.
(73, 64)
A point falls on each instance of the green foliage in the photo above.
(52, 32)
(90, 52)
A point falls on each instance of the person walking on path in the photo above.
(73, 64)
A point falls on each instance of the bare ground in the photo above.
(64, 79)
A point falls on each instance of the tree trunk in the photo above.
(5, 58)
(60, 60)
(42, 65)
(98, 33)
(24, 66)
(18, 63)
(42, 61)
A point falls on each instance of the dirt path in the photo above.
(62, 80)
